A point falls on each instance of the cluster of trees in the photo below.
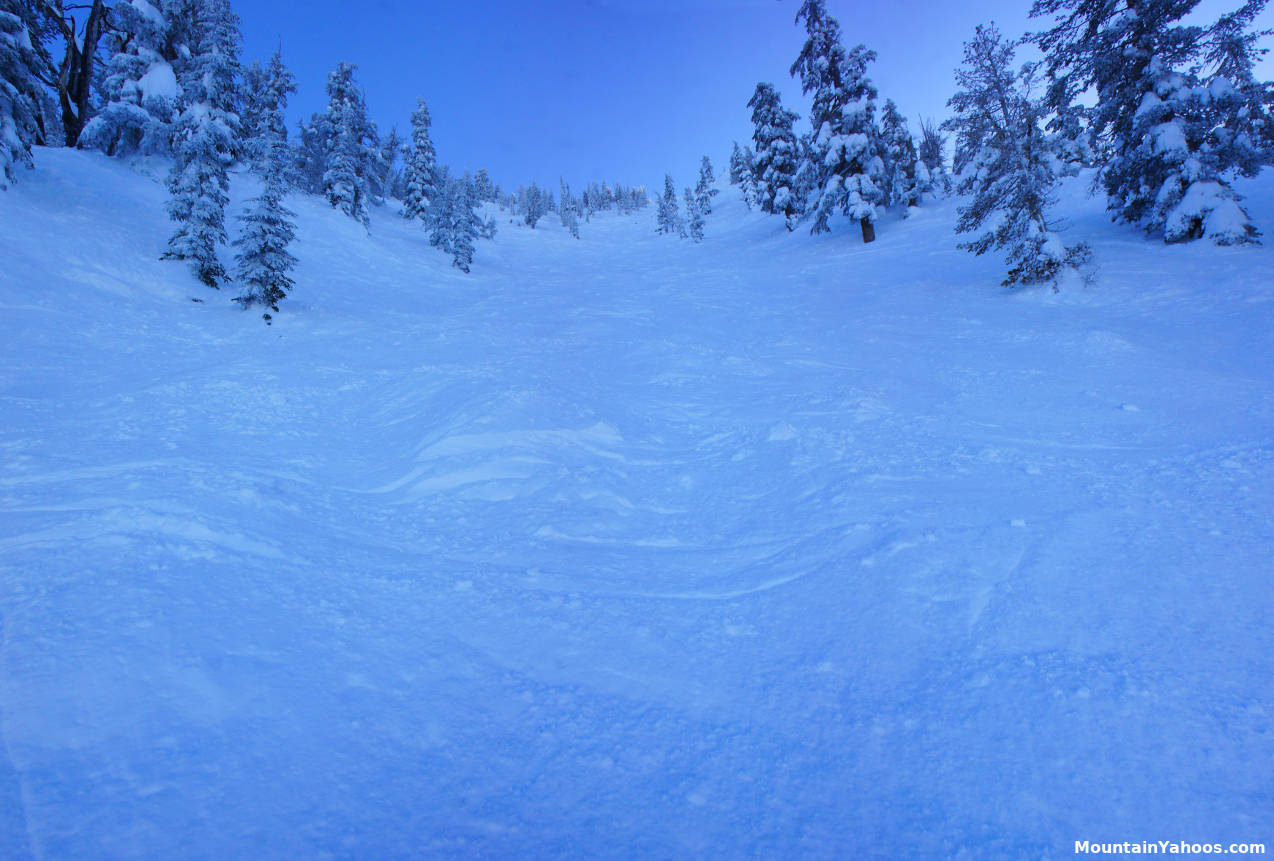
(1178, 110)
(698, 204)
(1178, 114)
(854, 159)
(1167, 113)
(164, 78)
(531, 203)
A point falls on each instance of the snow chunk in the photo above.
(146, 10)
(159, 82)
(1149, 102)
(1169, 137)
(1209, 209)
(1228, 224)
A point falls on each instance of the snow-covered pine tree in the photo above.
(253, 97)
(140, 88)
(704, 188)
(1005, 165)
(667, 217)
(1186, 149)
(420, 175)
(454, 221)
(532, 204)
(903, 171)
(932, 154)
(1232, 50)
(468, 224)
(844, 165)
(694, 215)
(19, 102)
(1152, 116)
(1071, 138)
(777, 155)
(384, 165)
(309, 154)
(737, 165)
(568, 210)
(267, 228)
(204, 137)
(392, 153)
(265, 91)
(483, 188)
(350, 155)
(742, 173)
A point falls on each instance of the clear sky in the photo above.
(617, 90)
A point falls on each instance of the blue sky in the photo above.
(602, 89)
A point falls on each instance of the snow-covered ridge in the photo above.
(771, 546)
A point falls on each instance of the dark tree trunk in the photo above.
(869, 230)
(75, 75)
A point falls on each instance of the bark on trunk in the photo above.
(869, 230)
(75, 77)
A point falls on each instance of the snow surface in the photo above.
(774, 546)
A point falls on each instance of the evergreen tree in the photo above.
(309, 155)
(204, 138)
(905, 175)
(1185, 150)
(777, 155)
(1231, 50)
(394, 150)
(742, 173)
(468, 225)
(266, 230)
(844, 164)
(384, 166)
(265, 96)
(668, 219)
(140, 89)
(932, 155)
(1005, 165)
(483, 187)
(349, 153)
(455, 222)
(252, 110)
(532, 204)
(694, 215)
(704, 191)
(1166, 153)
(420, 176)
(19, 102)
(737, 165)
(568, 210)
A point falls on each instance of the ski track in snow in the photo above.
(625, 547)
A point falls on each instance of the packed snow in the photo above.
(771, 546)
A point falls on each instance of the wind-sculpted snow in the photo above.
(627, 547)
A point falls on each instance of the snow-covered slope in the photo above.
(771, 547)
